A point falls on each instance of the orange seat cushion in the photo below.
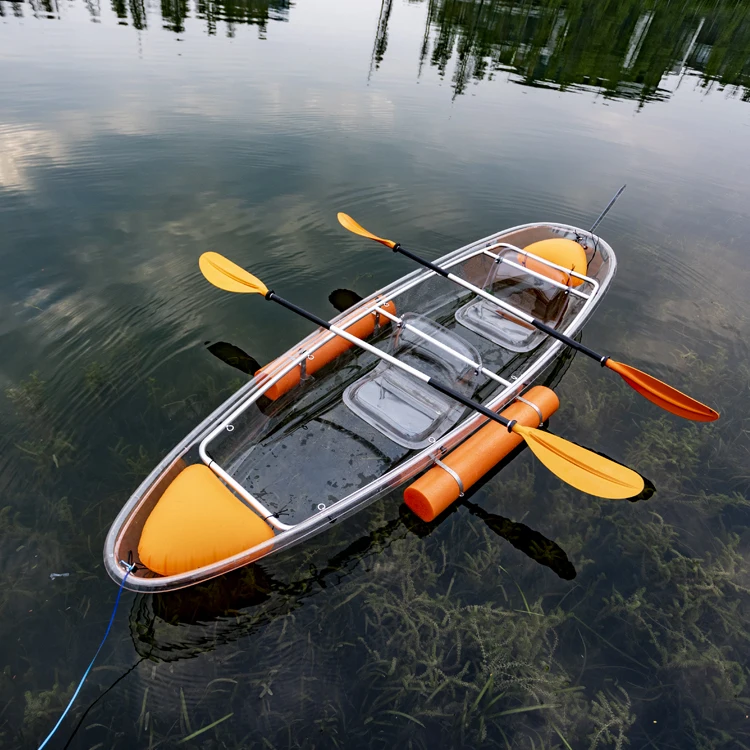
(565, 253)
(196, 522)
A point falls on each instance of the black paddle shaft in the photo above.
(273, 297)
(601, 359)
(436, 384)
(536, 323)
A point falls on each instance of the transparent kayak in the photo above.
(308, 442)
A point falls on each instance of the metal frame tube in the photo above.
(476, 365)
(376, 309)
(566, 288)
(508, 246)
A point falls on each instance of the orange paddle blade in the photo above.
(347, 222)
(581, 468)
(229, 276)
(663, 395)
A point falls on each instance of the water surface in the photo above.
(134, 136)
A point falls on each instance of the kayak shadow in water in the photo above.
(234, 357)
(185, 623)
(198, 620)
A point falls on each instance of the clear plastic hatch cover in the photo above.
(407, 410)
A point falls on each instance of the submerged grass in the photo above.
(55, 508)
(416, 636)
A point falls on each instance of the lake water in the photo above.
(134, 136)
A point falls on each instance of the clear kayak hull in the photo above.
(325, 430)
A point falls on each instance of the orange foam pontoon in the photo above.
(362, 329)
(434, 491)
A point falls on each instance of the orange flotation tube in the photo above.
(327, 353)
(434, 491)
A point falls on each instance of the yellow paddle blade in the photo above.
(229, 276)
(581, 468)
(663, 395)
(347, 222)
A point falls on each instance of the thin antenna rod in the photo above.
(609, 205)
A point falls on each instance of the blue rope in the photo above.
(88, 669)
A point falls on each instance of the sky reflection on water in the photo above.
(134, 136)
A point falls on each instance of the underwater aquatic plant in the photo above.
(43, 704)
(417, 634)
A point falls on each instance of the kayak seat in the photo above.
(403, 408)
(196, 522)
(537, 297)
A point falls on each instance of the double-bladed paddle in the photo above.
(584, 470)
(654, 390)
